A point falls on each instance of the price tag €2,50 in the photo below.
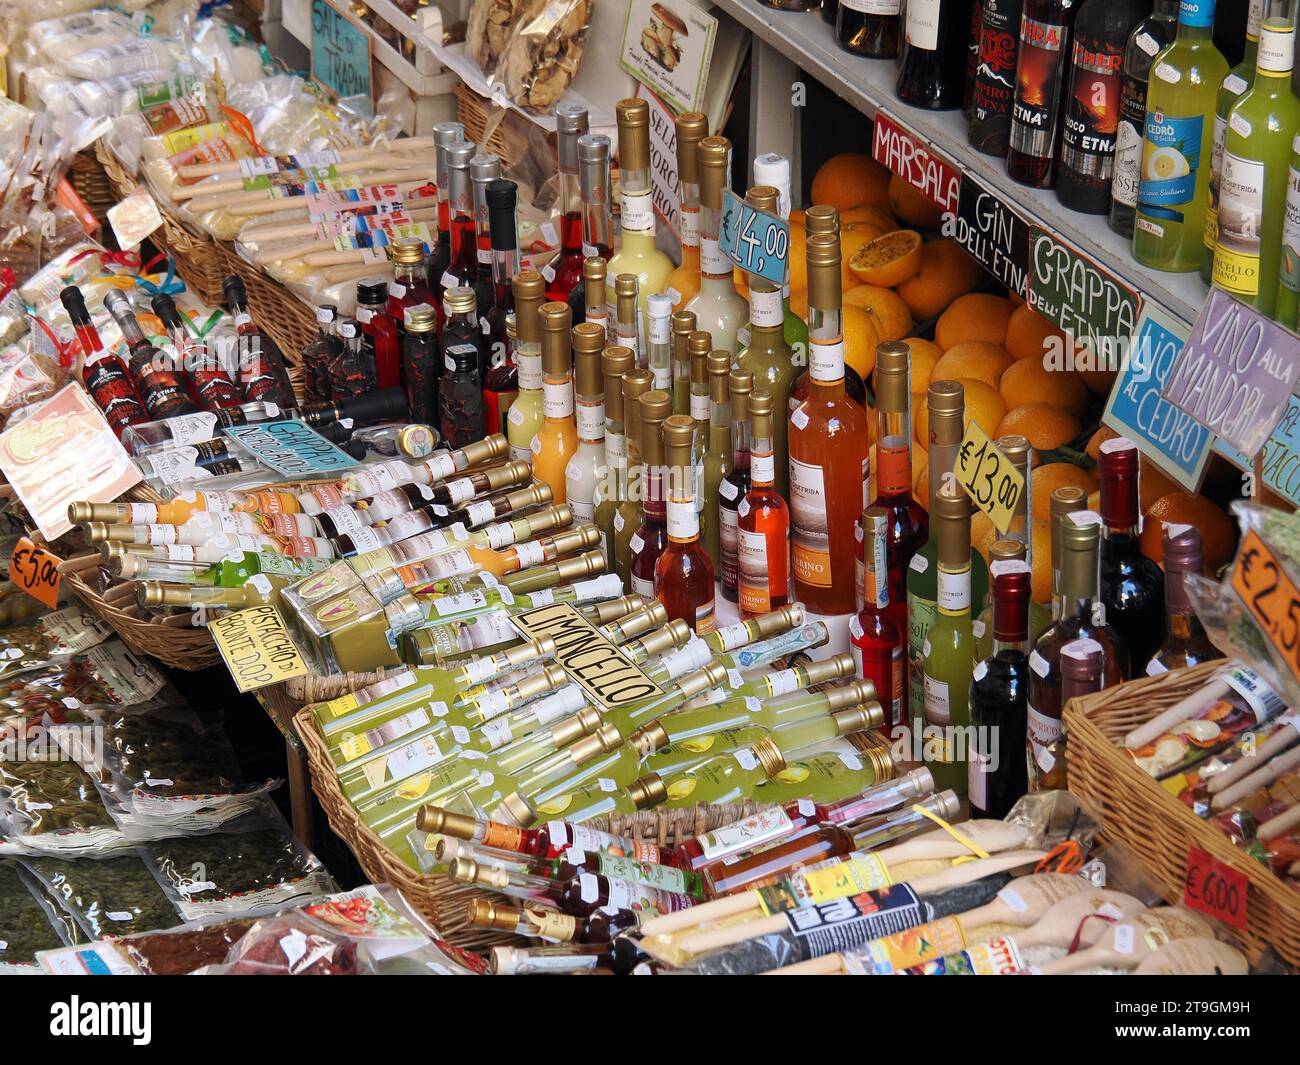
(992, 482)
(1271, 597)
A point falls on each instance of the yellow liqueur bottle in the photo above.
(718, 307)
(525, 417)
(638, 255)
(684, 282)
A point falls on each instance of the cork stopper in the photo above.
(436, 820)
(656, 405)
(633, 134)
(719, 364)
(692, 127)
(859, 718)
(625, 286)
(615, 361)
(591, 564)
(714, 155)
(764, 198)
(649, 791)
(893, 376)
(557, 355)
(530, 293)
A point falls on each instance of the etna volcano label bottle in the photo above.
(994, 90)
(1040, 74)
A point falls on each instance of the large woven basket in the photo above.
(87, 176)
(508, 136)
(1153, 824)
(284, 317)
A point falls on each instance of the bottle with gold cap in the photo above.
(627, 317)
(585, 469)
(718, 307)
(409, 287)
(570, 125)
(734, 485)
(717, 454)
(525, 418)
(659, 340)
(765, 352)
(684, 282)
(473, 559)
(259, 590)
(698, 346)
(774, 170)
(611, 475)
(683, 574)
(421, 363)
(877, 640)
(683, 325)
(949, 649)
(591, 306)
(557, 439)
(627, 518)
(763, 520)
(1064, 500)
(650, 539)
(638, 255)
(828, 450)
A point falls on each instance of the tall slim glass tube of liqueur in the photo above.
(877, 641)
(718, 307)
(445, 134)
(734, 484)
(1079, 617)
(638, 255)
(869, 27)
(763, 519)
(525, 417)
(211, 385)
(683, 325)
(589, 303)
(501, 384)
(659, 340)
(1132, 586)
(463, 268)
(717, 455)
(590, 306)
(1040, 77)
(994, 88)
(106, 376)
(684, 282)
(380, 339)
(159, 383)
(263, 373)
(933, 63)
(1144, 43)
(408, 287)
(565, 271)
(999, 699)
(1239, 79)
(1185, 643)
(651, 538)
(611, 484)
(484, 169)
(627, 318)
(766, 354)
(698, 346)
(683, 578)
(557, 439)
(627, 518)
(587, 467)
(1092, 102)
(828, 450)
(1177, 144)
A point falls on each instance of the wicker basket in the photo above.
(508, 139)
(87, 176)
(1154, 825)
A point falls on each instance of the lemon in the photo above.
(1166, 163)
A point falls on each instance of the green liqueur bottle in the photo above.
(1287, 310)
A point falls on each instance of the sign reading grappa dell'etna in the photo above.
(1236, 373)
(994, 235)
(1086, 300)
(757, 242)
(1173, 440)
(291, 448)
(1280, 460)
(907, 155)
(341, 58)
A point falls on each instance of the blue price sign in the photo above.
(340, 52)
(757, 242)
(291, 448)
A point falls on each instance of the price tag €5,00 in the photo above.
(992, 482)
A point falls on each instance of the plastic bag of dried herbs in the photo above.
(31, 644)
(108, 897)
(27, 921)
(52, 806)
(105, 676)
(179, 951)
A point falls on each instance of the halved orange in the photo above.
(889, 260)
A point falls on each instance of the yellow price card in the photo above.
(256, 647)
(992, 482)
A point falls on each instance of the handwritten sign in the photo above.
(341, 59)
(256, 647)
(1236, 372)
(992, 482)
(994, 235)
(757, 242)
(35, 571)
(1215, 888)
(1280, 459)
(899, 149)
(291, 448)
(1174, 441)
(1267, 591)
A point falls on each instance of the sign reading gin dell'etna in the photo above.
(591, 661)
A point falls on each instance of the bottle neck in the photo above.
(591, 418)
(557, 398)
(683, 518)
(740, 442)
(826, 352)
(893, 455)
(719, 426)
(763, 469)
(1021, 646)
(652, 500)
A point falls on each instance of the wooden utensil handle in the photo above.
(1180, 711)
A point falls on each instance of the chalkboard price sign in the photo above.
(341, 59)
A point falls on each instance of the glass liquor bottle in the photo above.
(587, 467)
(717, 455)
(159, 384)
(445, 134)
(718, 307)
(420, 363)
(408, 288)
(1082, 673)
(869, 27)
(484, 169)
(828, 450)
(106, 376)
(525, 417)
(380, 339)
(460, 395)
(627, 519)
(999, 699)
(1065, 500)
(210, 383)
(351, 374)
(1177, 149)
(611, 483)
(638, 255)
(1132, 586)
(766, 354)
(994, 90)
(876, 639)
(1092, 102)
(598, 228)
(683, 575)
(763, 519)
(734, 485)
(934, 54)
(1186, 643)
(1040, 76)
(683, 325)
(460, 327)
(627, 318)
(557, 440)
(1239, 79)
(570, 124)
(592, 308)
(549, 840)
(501, 385)
(774, 171)
(652, 537)
(1253, 186)
(659, 341)
(1147, 39)
(684, 282)
(698, 346)
(1080, 616)
(463, 268)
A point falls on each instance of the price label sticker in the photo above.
(992, 482)
(257, 648)
(757, 242)
(1271, 597)
(36, 572)
(1215, 889)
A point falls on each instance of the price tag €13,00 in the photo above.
(992, 482)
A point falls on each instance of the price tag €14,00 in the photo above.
(992, 482)
(757, 242)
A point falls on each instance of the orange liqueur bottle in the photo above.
(828, 450)
(684, 574)
(763, 521)
(557, 440)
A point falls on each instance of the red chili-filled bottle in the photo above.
(210, 384)
(566, 271)
(106, 376)
(160, 384)
(463, 268)
(263, 373)
(379, 333)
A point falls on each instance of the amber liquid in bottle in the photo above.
(1186, 643)
(683, 572)
(734, 485)
(652, 537)
(763, 521)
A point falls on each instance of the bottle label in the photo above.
(994, 91)
(557, 399)
(755, 576)
(746, 834)
(1171, 156)
(846, 922)
(763, 469)
(812, 545)
(1128, 141)
(638, 215)
(873, 7)
(1196, 13)
(700, 407)
(683, 521)
(1241, 212)
(766, 309)
(1044, 730)
(530, 372)
(642, 587)
(690, 223)
(922, 28)
(938, 706)
(1276, 51)
(921, 613)
(1290, 266)
(591, 421)
(893, 470)
(727, 546)
(1041, 71)
(977, 778)
(192, 428)
(1091, 114)
(712, 262)
(826, 360)
(954, 591)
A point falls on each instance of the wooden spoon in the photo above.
(1126, 944)
(1068, 918)
(1196, 956)
(232, 166)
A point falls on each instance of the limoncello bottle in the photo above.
(1288, 282)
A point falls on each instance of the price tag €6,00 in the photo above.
(757, 242)
(992, 482)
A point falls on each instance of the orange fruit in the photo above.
(975, 359)
(1041, 562)
(888, 313)
(1045, 426)
(1153, 483)
(796, 217)
(1027, 381)
(1045, 480)
(1028, 333)
(1093, 447)
(860, 340)
(975, 316)
(946, 273)
(983, 406)
(980, 527)
(798, 259)
(1183, 508)
(849, 180)
(799, 302)
(1098, 382)
(985, 543)
(889, 259)
(924, 354)
(911, 206)
(921, 482)
(869, 215)
(851, 240)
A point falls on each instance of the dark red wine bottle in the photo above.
(934, 54)
(160, 384)
(872, 28)
(1040, 75)
(107, 379)
(972, 57)
(262, 370)
(994, 86)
